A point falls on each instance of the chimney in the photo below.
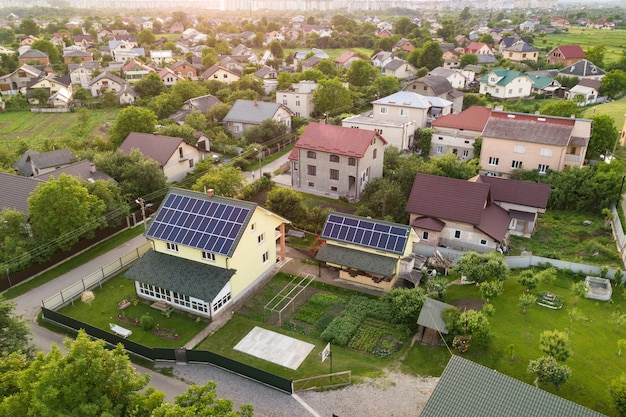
(92, 168)
(210, 192)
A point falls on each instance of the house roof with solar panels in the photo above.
(364, 246)
(207, 247)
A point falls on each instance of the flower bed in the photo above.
(128, 320)
(164, 333)
(123, 304)
(549, 300)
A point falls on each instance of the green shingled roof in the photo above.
(471, 390)
(506, 76)
(360, 260)
(194, 279)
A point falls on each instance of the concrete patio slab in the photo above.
(274, 347)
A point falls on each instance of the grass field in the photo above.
(37, 128)
(594, 361)
(615, 109)
(562, 235)
(614, 40)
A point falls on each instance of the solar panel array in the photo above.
(210, 226)
(366, 232)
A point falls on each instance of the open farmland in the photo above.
(614, 40)
(35, 128)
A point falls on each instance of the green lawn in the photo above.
(614, 40)
(562, 235)
(104, 310)
(36, 128)
(615, 109)
(594, 361)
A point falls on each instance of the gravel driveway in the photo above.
(393, 395)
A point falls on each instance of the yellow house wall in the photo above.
(247, 258)
(361, 279)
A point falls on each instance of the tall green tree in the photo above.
(361, 73)
(146, 38)
(226, 181)
(90, 380)
(406, 304)
(137, 174)
(63, 209)
(15, 241)
(596, 54)
(613, 84)
(15, 334)
(48, 47)
(201, 401)
(547, 370)
(327, 67)
(132, 119)
(332, 97)
(268, 129)
(555, 343)
(29, 27)
(287, 203)
(603, 137)
(276, 49)
(150, 86)
(563, 108)
(382, 198)
(617, 390)
(480, 267)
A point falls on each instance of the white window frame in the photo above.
(516, 164)
(260, 238)
(266, 257)
(543, 168)
(519, 149)
(384, 110)
(172, 247)
(494, 161)
(439, 149)
(547, 152)
(208, 256)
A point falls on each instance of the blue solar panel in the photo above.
(366, 232)
(211, 226)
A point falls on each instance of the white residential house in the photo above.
(300, 100)
(506, 84)
(161, 57)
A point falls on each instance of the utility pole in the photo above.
(142, 204)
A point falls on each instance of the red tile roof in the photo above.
(474, 119)
(336, 139)
(524, 193)
(572, 51)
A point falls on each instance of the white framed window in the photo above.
(513, 223)
(208, 256)
(483, 242)
(266, 257)
(519, 149)
(172, 247)
(374, 154)
(404, 112)
(384, 110)
(253, 227)
(424, 235)
(516, 164)
(547, 152)
(457, 234)
(494, 161)
(439, 149)
(542, 168)
(465, 153)
(261, 238)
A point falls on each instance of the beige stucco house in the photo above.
(531, 141)
(457, 133)
(300, 100)
(175, 156)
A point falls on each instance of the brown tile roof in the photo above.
(158, 147)
(429, 223)
(495, 222)
(337, 139)
(448, 198)
(529, 128)
(474, 119)
(15, 191)
(530, 194)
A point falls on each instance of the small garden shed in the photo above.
(431, 326)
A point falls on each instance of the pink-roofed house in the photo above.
(336, 161)
(346, 59)
(169, 77)
(565, 54)
(478, 48)
(457, 133)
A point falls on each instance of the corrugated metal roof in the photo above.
(251, 111)
(405, 99)
(471, 390)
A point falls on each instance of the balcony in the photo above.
(573, 159)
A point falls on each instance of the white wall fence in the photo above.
(95, 279)
(520, 261)
(618, 233)
(50, 109)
